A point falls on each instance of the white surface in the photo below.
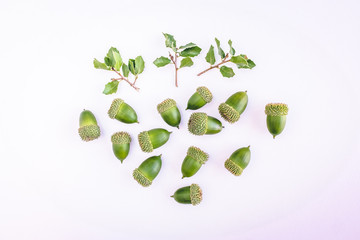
(303, 185)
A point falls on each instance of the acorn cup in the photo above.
(188, 195)
(169, 112)
(276, 117)
(200, 124)
(89, 130)
(201, 97)
(193, 161)
(148, 170)
(234, 107)
(238, 161)
(152, 139)
(122, 112)
(121, 145)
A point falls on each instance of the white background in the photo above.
(302, 185)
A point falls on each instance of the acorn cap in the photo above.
(197, 124)
(229, 113)
(114, 107)
(205, 93)
(276, 109)
(166, 105)
(121, 138)
(195, 194)
(233, 167)
(89, 132)
(197, 154)
(141, 179)
(145, 142)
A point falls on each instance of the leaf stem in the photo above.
(125, 79)
(174, 60)
(225, 60)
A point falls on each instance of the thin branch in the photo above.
(174, 60)
(125, 79)
(225, 60)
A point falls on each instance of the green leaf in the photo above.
(125, 70)
(210, 56)
(189, 45)
(227, 71)
(220, 51)
(190, 52)
(162, 61)
(250, 64)
(139, 64)
(170, 41)
(111, 87)
(131, 65)
(186, 62)
(239, 60)
(113, 59)
(232, 50)
(100, 65)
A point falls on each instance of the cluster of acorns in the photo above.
(199, 124)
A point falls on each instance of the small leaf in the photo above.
(190, 52)
(210, 56)
(220, 51)
(251, 63)
(227, 71)
(186, 62)
(232, 50)
(111, 87)
(100, 65)
(108, 62)
(113, 59)
(139, 64)
(125, 70)
(131, 65)
(239, 60)
(162, 61)
(189, 45)
(170, 41)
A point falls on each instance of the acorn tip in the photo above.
(172, 196)
(160, 155)
(274, 136)
(177, 127)
(183, 177)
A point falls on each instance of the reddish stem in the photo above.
(225, 60)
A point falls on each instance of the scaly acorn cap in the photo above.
(276, 109)
(145, 142)
(166, 105)
(233, 167)
(121, 138)
(89, 132)
(229, 113)
(205, 93)
(141, 179)
(195, 194)
(197, 154)
(197, 124)
(115, 107)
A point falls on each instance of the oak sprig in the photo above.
(241, 61)
(185, 53)
(113, 62)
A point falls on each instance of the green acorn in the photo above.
(188, 195)
(121, 145)
(169, 112)
(122, 112)
(276, 117)
(155, 138)
(201, 97)
(148, 170)
(89, 130)
(194, 159)
(238, 161)
(200, 124)
(234, 107)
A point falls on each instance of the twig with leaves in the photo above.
(113, 62)
(186, 52)
(241, 61)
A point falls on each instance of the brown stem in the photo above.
(125, 79)
(174, 60)
(225, 60)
